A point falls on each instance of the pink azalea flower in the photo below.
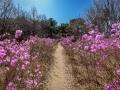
(18, 33)
(10, 86)
(110, 87)
(117, 82)
(2, 53)
(118, 72)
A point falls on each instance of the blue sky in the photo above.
(60, 10)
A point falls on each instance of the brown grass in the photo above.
(90, 76)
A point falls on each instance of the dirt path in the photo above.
(60, 77)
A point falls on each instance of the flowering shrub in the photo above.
(18, 33)
(21, 63)
(94, 54)
(2, 53)
(10, 86)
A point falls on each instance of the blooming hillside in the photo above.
(95, 59)
(20, 62)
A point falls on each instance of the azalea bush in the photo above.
(24, 64)
(95, 59)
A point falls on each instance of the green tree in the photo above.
(52, 26)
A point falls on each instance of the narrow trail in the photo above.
(60, 77)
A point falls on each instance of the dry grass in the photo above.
(88, 74)
(45, 58)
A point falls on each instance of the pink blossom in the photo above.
(23, 67)
(117, 82)
(118, 72)
(10, 86)
(91, 32)
(2, 53)
(114, 25)
(109, 87)
(18, 33)
(98, 37)
(86, 47)
(13, 62)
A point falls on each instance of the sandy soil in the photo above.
(60, 75)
